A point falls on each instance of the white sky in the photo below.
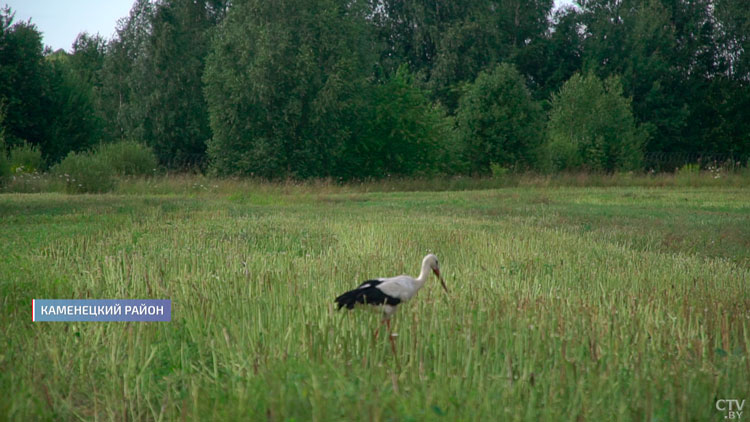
(60, 21)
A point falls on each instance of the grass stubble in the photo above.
(627, 303)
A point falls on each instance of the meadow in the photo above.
(567, 303)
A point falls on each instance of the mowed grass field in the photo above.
(565, 304)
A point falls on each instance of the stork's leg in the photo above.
(377, 330)
(390, 337)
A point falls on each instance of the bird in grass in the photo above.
(389, 293)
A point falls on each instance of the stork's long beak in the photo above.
(442, 282)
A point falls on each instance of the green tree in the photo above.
(44, 102)
(121, 69)
(449, 43)
(73, 122)
(667, 55)
(400, 133)
(175, 120)
(733, 36)
(87, 59)
(591, 127)
(558, 56)
(23, 75)
(720, 96)
(153, 77)
(498, 122)
(285, 84)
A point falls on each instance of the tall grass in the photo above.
(565, 304)
(196, 183)
(152, 182)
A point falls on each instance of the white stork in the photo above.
(388, 293)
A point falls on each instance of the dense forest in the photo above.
(356, 89)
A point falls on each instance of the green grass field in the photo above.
(579, 304)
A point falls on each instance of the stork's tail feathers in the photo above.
(349, 298)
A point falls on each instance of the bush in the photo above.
(85, 172)
(4, 163)
(26, 158)
(498, 121)
(689, 169)
(498, 171)
(128, 158)
(592, 127)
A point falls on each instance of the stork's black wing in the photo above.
(366, 293)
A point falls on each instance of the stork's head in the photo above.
(432, 261)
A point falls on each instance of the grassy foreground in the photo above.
(566, 304)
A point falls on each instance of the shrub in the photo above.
(85, 172)
(4, 163)
(25, 158)
(498, 171)
(689, 169)
(592, 127)
(127, 158)
(498, 121)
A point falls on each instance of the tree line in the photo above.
(371, 88)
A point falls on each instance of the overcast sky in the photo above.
(60, 21)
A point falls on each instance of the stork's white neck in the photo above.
(425, 273)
